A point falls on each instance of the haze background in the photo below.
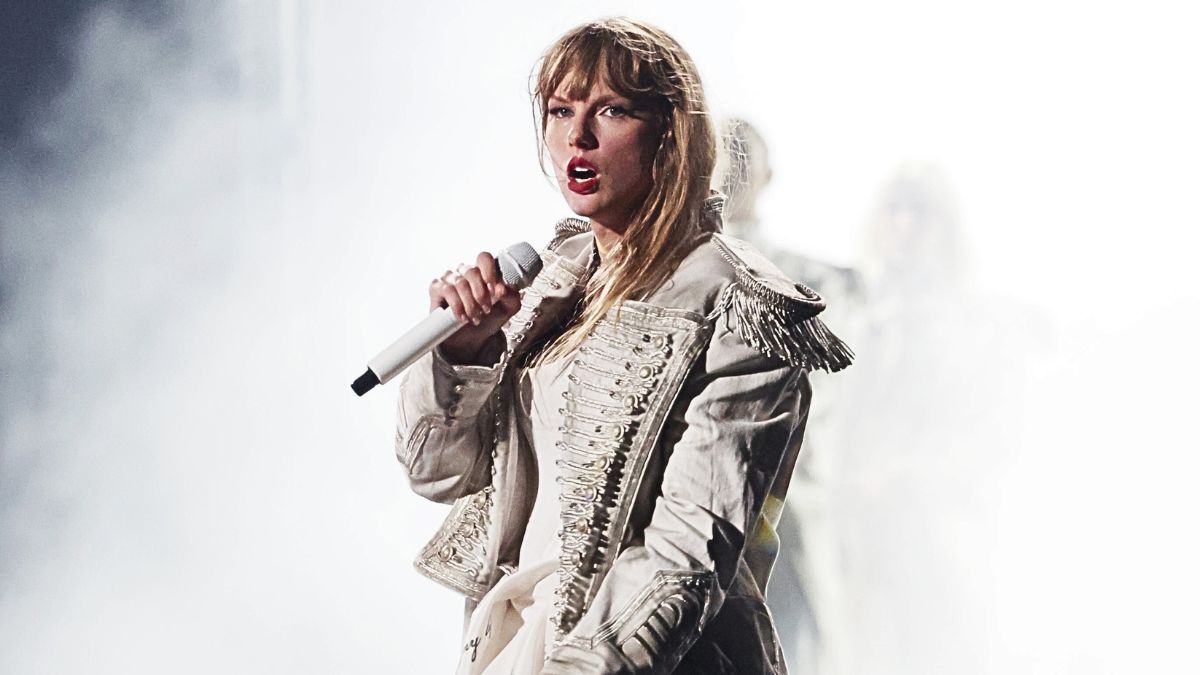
(211, 215)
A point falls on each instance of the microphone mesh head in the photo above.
(519, 264)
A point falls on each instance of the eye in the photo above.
(559, 111)
(615, 111)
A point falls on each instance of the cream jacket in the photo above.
(683, 418)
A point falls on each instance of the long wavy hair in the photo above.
(640, 62)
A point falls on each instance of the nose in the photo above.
(581, 136)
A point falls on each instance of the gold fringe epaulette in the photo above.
(775, 317)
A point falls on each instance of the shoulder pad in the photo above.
(775, 315)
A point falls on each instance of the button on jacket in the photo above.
(682, 421)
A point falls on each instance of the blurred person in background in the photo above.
(805, 594)
(941, 379)
(608, 439)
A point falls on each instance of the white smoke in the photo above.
(190, 485)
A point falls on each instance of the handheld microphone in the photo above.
(519, 264)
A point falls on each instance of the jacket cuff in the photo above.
(462, 390)
(653, 632)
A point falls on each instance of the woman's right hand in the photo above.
(478, 297)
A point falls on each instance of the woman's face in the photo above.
(603, 148)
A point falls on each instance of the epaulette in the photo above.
(775, 315)
(567, 228)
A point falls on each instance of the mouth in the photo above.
(582, 176)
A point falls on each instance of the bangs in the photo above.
(575, 65)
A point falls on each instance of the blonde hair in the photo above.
(642, 63)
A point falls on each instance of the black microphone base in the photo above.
(365, 382)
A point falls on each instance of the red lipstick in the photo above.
(583, 177)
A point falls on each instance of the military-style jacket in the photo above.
(682, 420)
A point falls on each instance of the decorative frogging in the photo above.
(611, 380)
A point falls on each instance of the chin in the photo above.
(584, 206)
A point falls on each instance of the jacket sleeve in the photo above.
(733, 421)
(444, 431)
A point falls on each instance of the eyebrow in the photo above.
(607, 99)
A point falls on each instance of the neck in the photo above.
(606, 237)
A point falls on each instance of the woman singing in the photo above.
(617, 439)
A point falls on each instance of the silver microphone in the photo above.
(519, 264)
